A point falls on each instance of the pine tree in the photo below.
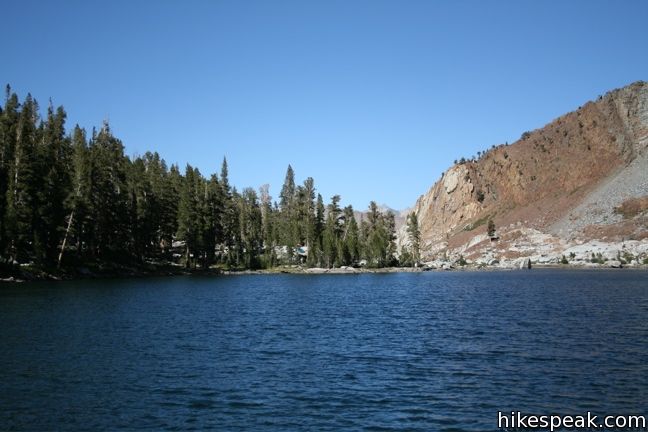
(390, 245)
(288, 231)
(163, 202)
(363, 239)
(23, 184)
(491, 228)
(316, 252)
(329, 243)
(229, 218)
(287, 194)
(213, 212)
(144, 209)
(77, 202)
(331, 235)
(378, 235)
(350, 239)
(170, 203)
(109, 198)
(54, 154)
(224, 176)
(374, 236)
(251, 225)
(236, 249)
(8, 128)
(188, 214)
(267, 219)
(414, 235)
(307, 216)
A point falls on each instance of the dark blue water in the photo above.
(428, 351)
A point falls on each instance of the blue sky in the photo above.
(373, 99)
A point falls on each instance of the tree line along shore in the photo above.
(73, 201)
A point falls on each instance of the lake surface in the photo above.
(413, 351)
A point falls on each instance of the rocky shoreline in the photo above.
(437, 266)
(445, 266)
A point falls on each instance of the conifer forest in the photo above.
(70, 198)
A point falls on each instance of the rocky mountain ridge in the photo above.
(581, 179)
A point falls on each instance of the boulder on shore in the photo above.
(317, 270)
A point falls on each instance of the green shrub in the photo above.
(491, 228)
(598, 258)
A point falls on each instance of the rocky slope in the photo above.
(580, 179)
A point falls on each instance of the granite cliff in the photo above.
(576, 187)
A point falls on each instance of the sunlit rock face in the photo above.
(560, 185)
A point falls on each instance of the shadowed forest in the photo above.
(69, 199)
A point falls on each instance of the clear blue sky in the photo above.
(373, 99)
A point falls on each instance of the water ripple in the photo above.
(432, 351)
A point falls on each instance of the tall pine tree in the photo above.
(22, 185)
